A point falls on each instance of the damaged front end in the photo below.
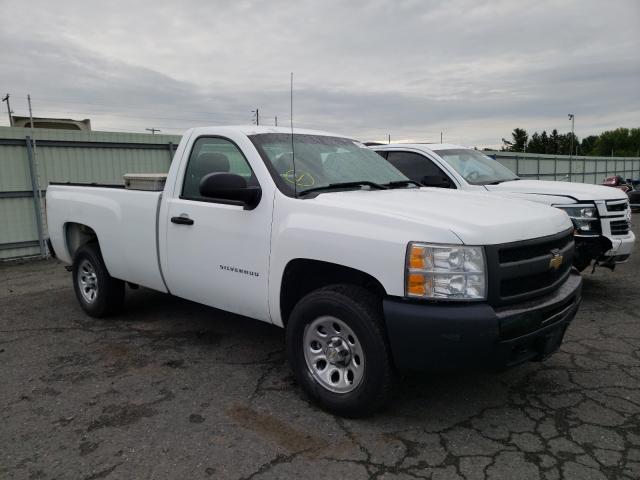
(590, 248)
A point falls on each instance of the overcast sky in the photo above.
(472, 69)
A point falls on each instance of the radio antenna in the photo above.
(293, 154)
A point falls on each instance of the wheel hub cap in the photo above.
(87, 281)
(333, 354)
(338, 352)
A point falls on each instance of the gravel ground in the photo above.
(172, 389)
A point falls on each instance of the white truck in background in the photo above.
(317, 234)
(601, 215)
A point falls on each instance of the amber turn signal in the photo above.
(416, 257)
(416, 284)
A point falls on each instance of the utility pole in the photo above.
(440, 137)
(152, 130)
(256, 116)
(6, 99)
(276, 120)
(33, 137)
(35, 183)
(572, 118)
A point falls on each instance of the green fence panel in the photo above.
(66, 156)
(562, 167)
(104, 157)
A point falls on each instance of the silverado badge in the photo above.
(556, 260)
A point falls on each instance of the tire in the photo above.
(99, 294)
(351, 320)
(580, 265)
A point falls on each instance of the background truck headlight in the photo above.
(584, 217)
(447, 272)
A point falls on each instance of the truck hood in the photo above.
(576, 191)
(475, 218)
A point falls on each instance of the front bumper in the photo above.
(604, 249)
(436, 337)
(621, 247)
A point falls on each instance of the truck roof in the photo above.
(420, 146)
(256, 130)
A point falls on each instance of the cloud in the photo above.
(366, 68)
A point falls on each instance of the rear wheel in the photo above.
(99, 294)
(337, 349)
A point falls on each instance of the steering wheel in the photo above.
(302, 178)
(473, 176)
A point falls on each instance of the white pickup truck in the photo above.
(315, 233)
(601, 216)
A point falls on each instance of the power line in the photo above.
(116, 110)
(226, 119)
(110, 117)
(140, 127)
(117, 106)
(140, 117)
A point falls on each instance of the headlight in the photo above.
(584, 218)
(450, 272)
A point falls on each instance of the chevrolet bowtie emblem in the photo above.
(556, 260)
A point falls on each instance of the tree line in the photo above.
(621, 142)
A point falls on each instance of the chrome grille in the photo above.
(619, 227)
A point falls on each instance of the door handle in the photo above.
(182, 220)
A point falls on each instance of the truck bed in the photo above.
(125, 222)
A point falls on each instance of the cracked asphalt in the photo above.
(172, 389)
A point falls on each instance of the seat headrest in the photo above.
(283, 162)
(210, 162)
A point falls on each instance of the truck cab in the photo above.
(368, 273)
(601, 216)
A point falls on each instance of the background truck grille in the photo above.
(619, 227)
(618, 206)
(521, 270)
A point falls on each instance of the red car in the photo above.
(630, 187)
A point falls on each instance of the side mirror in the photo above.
(230, 187)
(436, 181)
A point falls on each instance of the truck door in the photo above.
(218, 254)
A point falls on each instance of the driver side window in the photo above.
(416, 166)
(213, 155)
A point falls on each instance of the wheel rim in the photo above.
(333, 354)
(88, 281)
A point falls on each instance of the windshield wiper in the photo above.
(337, 186)
(401, 183)
(497, 182)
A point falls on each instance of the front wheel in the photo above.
(99, 294)
(581, 264)
(337, 349)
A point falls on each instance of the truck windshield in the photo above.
(323, 161)
(475, 167)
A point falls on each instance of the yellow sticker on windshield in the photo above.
(302, 179)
